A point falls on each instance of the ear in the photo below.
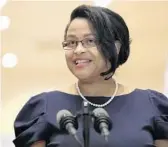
(118, 46)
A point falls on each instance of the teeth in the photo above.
(82, 61)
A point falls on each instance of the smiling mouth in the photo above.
(82, 63)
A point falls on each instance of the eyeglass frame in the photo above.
(80, 41)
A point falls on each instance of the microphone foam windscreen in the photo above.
(100, 112)
(61, 114)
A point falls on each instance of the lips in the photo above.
(82, 63)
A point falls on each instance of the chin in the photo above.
(82, 77)
(83, 74)
(85, 77)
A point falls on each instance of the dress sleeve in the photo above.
(160, 120)
(30, 124)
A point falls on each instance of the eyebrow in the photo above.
(74, 36)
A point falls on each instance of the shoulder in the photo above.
(155, 100)
(31, 122)
(156, 94)
(149, 96)
(40, 100)
(150, 93)
(160, 119)
(54, 92)
(38, 104)
(61, 92)
(159, 101)
(34, 106)
(154, 104)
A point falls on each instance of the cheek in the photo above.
(68, 56)
(102, 64)
(100, 61)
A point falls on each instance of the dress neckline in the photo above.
(92, 97)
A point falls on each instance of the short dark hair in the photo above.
(109, 27)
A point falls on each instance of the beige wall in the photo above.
(35, 36)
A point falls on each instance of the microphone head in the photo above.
(65, 117)
(101, 118)
(61, 114)
(100, 112)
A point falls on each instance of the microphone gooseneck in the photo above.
(102, 122)
(67, 122)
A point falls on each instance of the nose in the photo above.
(79, 49)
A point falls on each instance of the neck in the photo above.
(98, 88)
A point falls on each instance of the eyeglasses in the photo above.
(86, 43)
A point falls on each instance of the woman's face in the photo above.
(85, 62)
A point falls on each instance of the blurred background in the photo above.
(32, 59)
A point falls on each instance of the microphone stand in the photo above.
(86, 124)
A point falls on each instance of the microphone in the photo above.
(102, 122)
(67, 122)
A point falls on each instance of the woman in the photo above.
(96, 43)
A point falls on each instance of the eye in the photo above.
(69, 43)
(90, 41)
(72, 42)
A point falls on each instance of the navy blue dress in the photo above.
(138, 118)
